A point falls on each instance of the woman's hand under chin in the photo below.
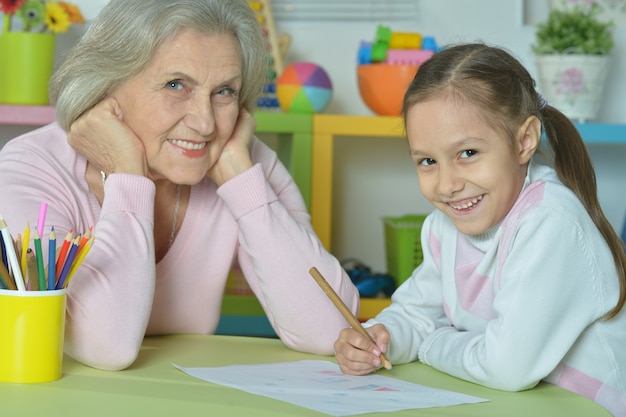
(235, 157)
(102, 137)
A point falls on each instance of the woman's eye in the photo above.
(174, 85)
(227, 91)
(468, 153)
(426, 162)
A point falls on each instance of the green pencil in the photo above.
(40, 268)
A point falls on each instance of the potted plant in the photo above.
(573, 53)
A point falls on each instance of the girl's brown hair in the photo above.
(501, 87)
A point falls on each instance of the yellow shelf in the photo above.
(370, 307)
(327, 127)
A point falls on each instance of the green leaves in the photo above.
(576, 30)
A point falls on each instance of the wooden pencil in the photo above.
(7, 279)
(344, 310)
(31, 268)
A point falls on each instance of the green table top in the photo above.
(153, 387)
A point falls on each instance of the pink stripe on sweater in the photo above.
(530, 197)
(574, 380)
(475, 291)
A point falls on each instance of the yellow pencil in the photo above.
(79, 259)
(25, 243)
(83, 241)
(344, 310)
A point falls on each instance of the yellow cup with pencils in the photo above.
(32, 327)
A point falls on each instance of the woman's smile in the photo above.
(190, 149)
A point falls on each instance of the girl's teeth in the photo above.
(188, 145)
(467, 205)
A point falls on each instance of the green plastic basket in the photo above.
(403, 245)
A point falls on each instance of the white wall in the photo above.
(375, 177)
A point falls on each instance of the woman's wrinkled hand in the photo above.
(235, 157)
(357, 354)
(102, 137)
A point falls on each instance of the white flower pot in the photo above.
(574, 84)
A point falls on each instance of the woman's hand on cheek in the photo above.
(102, 137)
(235, 156)
(357, 354)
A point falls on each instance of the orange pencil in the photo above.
(344, 310)
(83, 241)
(64, 248)
(79, 259)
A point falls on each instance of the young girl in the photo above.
(523, 277)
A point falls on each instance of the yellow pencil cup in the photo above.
(32, 327)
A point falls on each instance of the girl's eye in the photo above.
(174, 85)
(468, 153)
(426, 162)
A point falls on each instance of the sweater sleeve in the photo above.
(278, 247)
(549, 290)
(416, 309)
(110, 296)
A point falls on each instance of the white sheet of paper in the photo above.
(321, 386)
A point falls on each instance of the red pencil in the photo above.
(63, 253)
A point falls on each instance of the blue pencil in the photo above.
(68, 263)
(52, 251)
(5, 259)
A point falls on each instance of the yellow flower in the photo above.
(73, 12)
(57, 20)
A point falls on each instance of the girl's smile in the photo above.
(466, 205)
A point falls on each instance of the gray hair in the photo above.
(122, 39)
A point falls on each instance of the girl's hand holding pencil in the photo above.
(356, 327)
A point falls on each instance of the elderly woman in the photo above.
(154, 147)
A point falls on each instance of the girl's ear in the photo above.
(528, 139)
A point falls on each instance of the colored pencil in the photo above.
(25, 243)
(43, 209)
(3, 249)
(41, 273)
(67, 265)
(63, 254)
(4, 278)
(32, 272)
(344, 310)
(83, 241)
(13, 262)
(82, 253)
(52, 251)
